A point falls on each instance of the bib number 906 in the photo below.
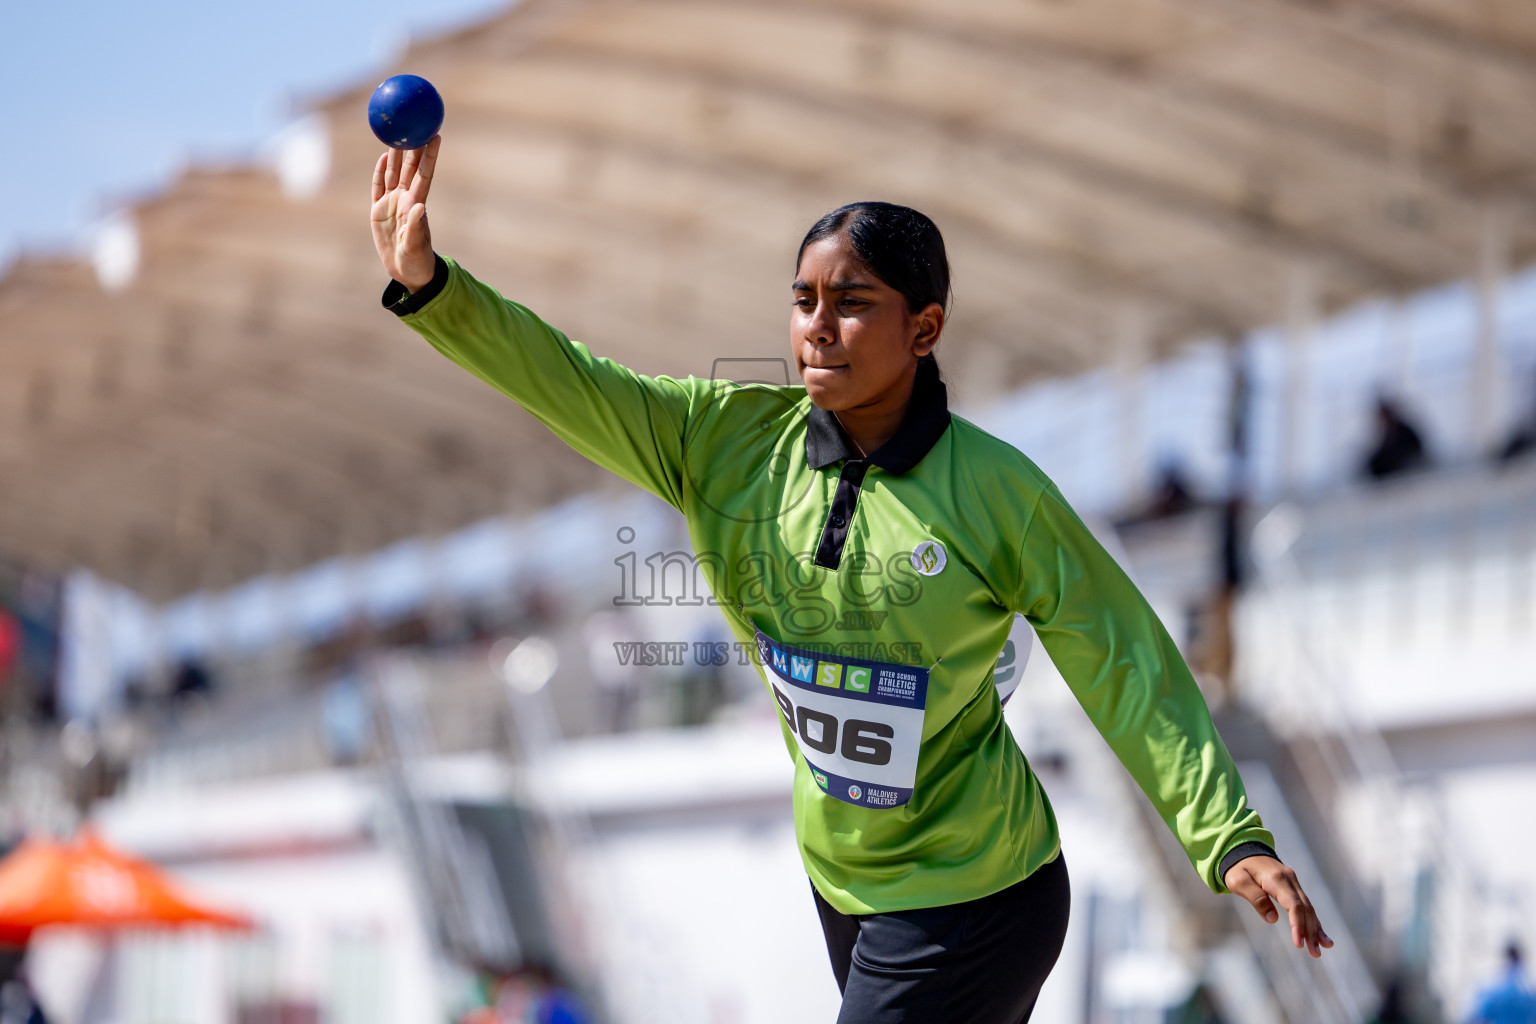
(863, 741)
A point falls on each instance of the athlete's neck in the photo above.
(872, 424)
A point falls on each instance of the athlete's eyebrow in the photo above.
(851, 285)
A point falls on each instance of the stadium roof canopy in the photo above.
(1111, 175)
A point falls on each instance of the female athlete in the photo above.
(874, 549)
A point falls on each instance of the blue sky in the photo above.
(110, 99)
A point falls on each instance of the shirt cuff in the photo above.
(1242, 851)
(402, 302)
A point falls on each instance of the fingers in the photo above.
(392, 170)
(1298, 915)
(1271, 883)
(416, 236)
(1242, 883)
(406, 169)
(411, 158)
(1306, 930)
(1312, 934)
(378, 177)
(1266, 909)
(422, 183)
(1283, 889)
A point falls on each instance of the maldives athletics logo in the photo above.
(854, 792)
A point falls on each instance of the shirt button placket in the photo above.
(829, 552)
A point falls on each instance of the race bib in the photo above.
(1015, 655)
(858, 723)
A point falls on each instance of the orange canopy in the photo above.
(86, 882)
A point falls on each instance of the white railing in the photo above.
(1355, 762)
(454, 869)
(1337, 990)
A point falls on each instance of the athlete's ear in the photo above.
(927, 325)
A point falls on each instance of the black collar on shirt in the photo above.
(927, 418)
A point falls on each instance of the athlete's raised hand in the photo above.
(1265, 882)
(401, 180)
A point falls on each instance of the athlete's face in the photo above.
(856, 343)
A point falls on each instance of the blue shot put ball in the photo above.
(405, 112)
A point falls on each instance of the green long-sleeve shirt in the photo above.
(879, 593)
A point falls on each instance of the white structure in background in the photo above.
(114, 636)
(105, 637)
(1398, 627)
(689, 888)
(301, 155)
(339, 926)
(115, 251)
(1311, 403)
(1073, 427)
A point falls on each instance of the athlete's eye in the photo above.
(805, 302)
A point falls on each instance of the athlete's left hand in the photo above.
(1265, 882)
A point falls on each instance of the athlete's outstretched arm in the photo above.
(1125, 670)
(624, 421)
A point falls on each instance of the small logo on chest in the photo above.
(928, 558)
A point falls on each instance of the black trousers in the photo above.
(979, 962)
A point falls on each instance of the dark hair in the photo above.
(900, 246)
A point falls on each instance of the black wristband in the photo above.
(1242, 851)
(401, 302)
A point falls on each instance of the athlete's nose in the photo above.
(818, 330)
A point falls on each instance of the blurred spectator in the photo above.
(1199, 1008)
(1520, 442)
(532, 996)
(192, 679)
(1171, 496)
(615, 677)
(135, 691)
(703, 683)
(1522, 439)
(10, 644)
(18, 1004)
(1509, 999)
(553, 1002)
(541, 608)
(497, 1000)
(1393, 1004)
(1398, 448)
(39, 610)
(560, 1006)
(345, 718)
